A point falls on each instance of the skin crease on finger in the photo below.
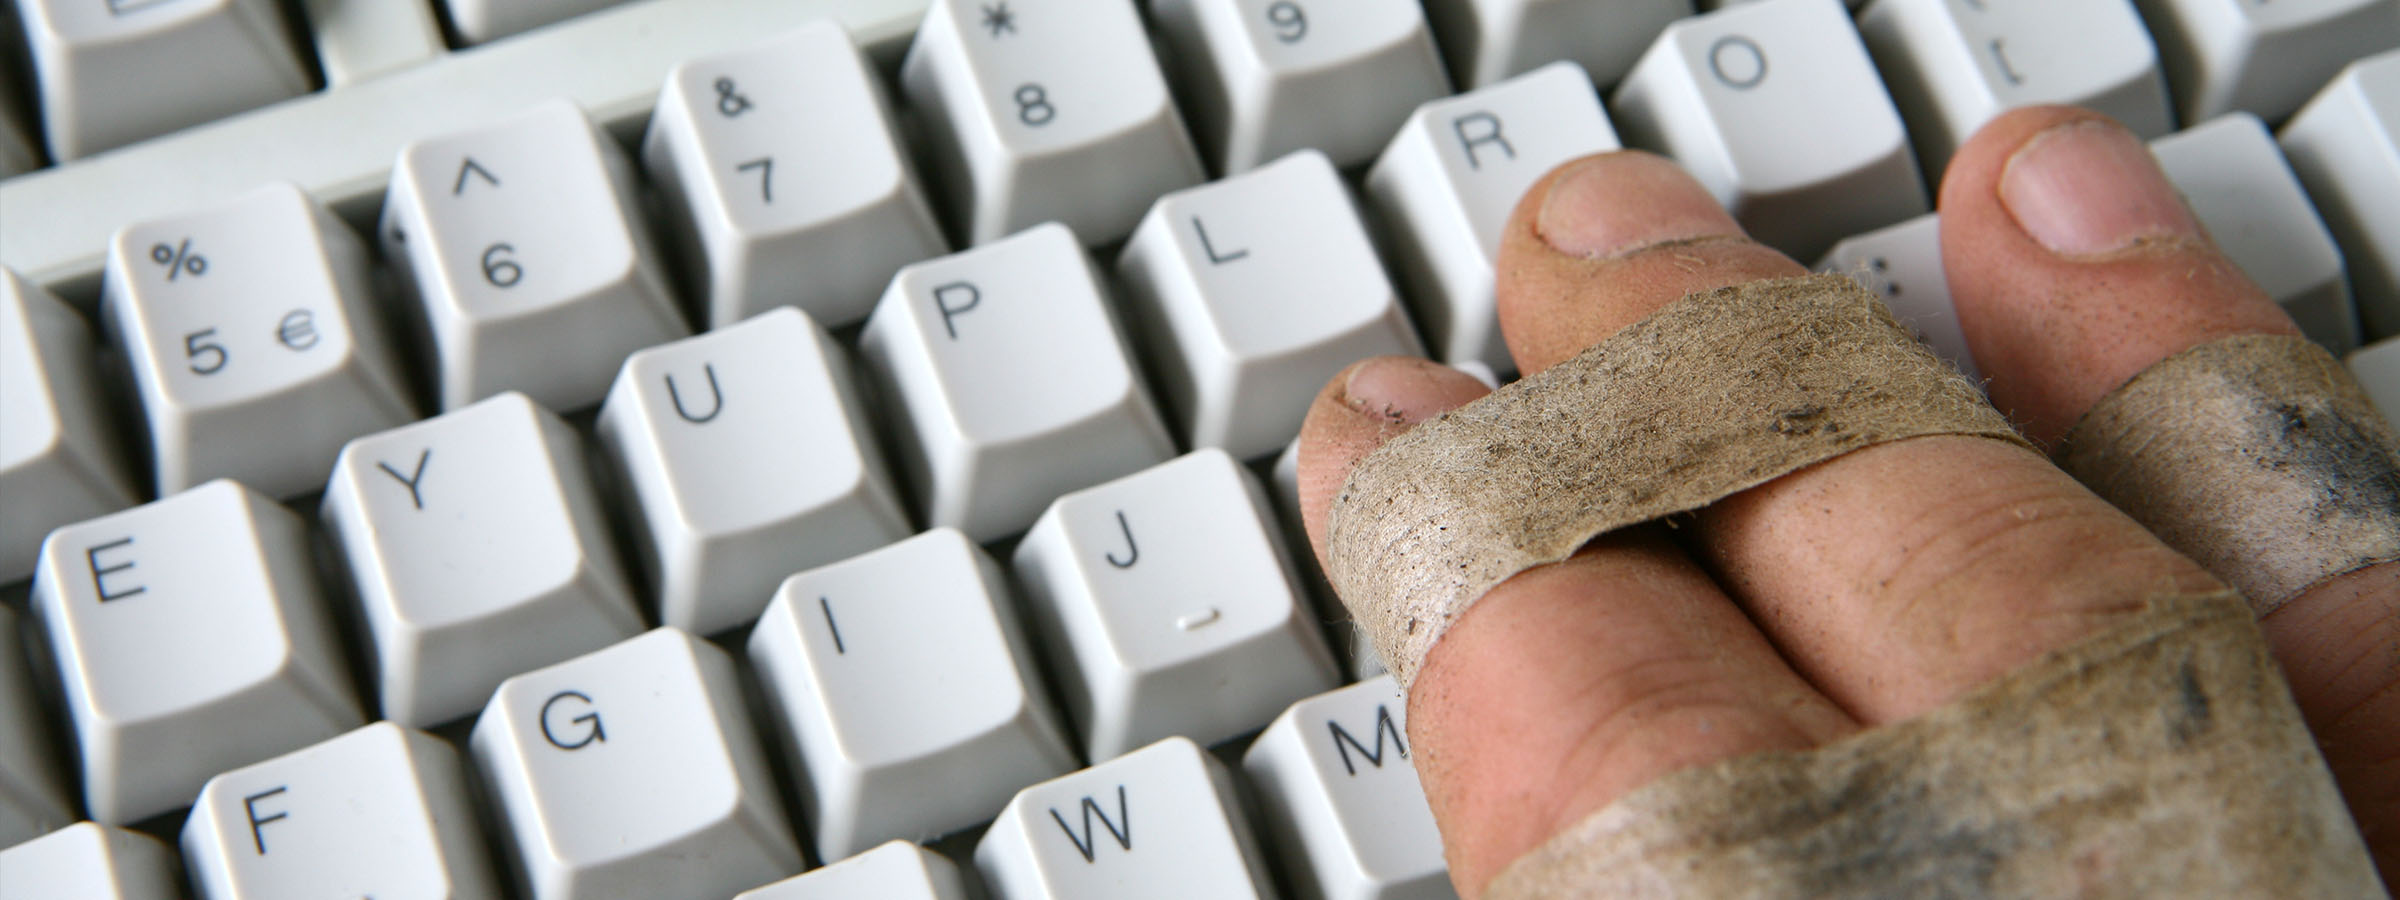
(2058, 331)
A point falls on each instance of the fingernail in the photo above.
(2089, 187)
(1609, 206)
(1405, 390)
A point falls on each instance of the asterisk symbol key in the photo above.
(998, 19)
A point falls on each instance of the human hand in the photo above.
(1875, 586)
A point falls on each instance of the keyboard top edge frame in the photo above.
(339, 144)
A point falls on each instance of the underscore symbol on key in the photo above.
(179, 259)
(1195, 621)
(730, 102)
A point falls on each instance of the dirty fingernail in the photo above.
(1615, 204)
(1406, 390)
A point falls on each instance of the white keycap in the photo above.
(1008, 381)
(190, 638)
(89, 861)
(34, 794)
(59, 457)
(378, 812)
(478, 21)
(785, 181)
(1341, 799)
(1263, 78)
(2262, 57)
(1956, 64)
(1776, 108)
(748, 456)
(1447, 183)
(2345, 146)
(1350, 642)
(520, 243)
(2377, 368)
(1076, 837)
(633, 772)
(902, 684)
(476, 550)
(1045, 110)
(1167, 607)
(255, 339)
(1489, 40)
(1250, 292)
(1903, 265)
(113, 72)
(358, 41)
(2234, 178)
(897, 870)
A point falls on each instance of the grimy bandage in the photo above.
(2258, 457)
(2163, 757)
(1714, 394)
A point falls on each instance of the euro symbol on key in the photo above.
(298, 330)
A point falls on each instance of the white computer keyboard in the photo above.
(841, 448)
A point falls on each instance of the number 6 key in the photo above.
(253, 341)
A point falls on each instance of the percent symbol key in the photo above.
(179, 259)
(263, 357)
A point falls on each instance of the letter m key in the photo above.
(1343, 743)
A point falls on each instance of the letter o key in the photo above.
(591, 719)
(1738, 62)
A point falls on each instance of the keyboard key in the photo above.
(2234, 178)
(34, 794)
(89, 861)
(785, 180)
(2345, 146)
(1263, 78)
(378, 812)
(1775, 107)
(1445, 186)
(255, 341)
(480, 21)
(359, 41)
(897, 870)
(1007, 382)
(190, 638)
(519, 240)
(1167, 608)
(902, 684)
(1341, 799)
(1252, 291)
(2262, 57)
(476, 550)
(747, 455)
(1954, 66)
(1074, 837)
(1045, 110)
(2377, 368)
(1491, 40)
(113, 72)
(1903, 265)
(59, 456)
(633, 772)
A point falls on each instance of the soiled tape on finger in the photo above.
(2162, 758)
(2259, 457)
(1716, 393)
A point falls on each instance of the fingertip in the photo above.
(2074, 264)
(1361, 407)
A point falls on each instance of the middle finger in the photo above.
(1894, 577)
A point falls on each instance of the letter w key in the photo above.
(1120, 827)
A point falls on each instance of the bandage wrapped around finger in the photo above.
(2164, 756)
